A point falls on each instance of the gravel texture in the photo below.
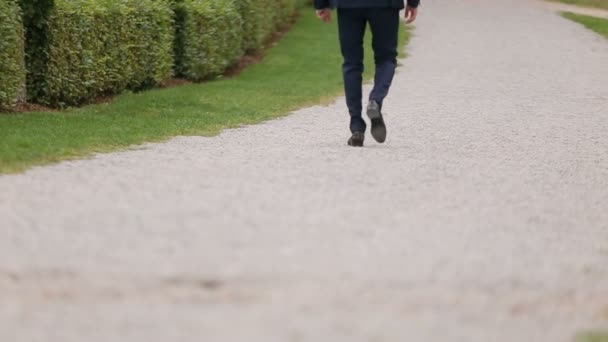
(483, 218)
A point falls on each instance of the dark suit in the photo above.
(353, 17)
(320, 4)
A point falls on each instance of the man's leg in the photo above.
(351, 23)
(384, 23)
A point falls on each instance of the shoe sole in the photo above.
(355, 144)
(378, 126)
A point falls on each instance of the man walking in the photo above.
(383, 18)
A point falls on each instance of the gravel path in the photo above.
(483, 218)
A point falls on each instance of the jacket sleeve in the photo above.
(321, 4)
(413, 3)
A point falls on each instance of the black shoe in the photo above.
(378, 127)
(357, 139)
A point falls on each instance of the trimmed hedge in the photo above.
(12, 62)
(209, 37)
(77, 50)
(35, 20)
(285, 11)
(90, 48)
(255, 30)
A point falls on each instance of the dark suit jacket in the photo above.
(320, 4)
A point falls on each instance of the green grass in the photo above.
(598, 25)
(586, 3)
(302, 70)
(593, 337)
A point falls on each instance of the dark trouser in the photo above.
(384, 24)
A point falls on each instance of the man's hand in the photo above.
(410, 14)
(324, 14)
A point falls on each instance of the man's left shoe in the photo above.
(378, 126)
(357, 139)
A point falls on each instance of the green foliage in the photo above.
(213, 34)
(285, 11)
(35, 20)
(12, 63)
(209, 37)
(95, 48)
(275, 14)
(270, 12)
(77, 50)
(255, 30)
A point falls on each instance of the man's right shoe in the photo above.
(378, 126)
(357, 139)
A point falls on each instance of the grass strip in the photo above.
(593, 337)
(598, 25)
(302, 69)
(603, 4)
